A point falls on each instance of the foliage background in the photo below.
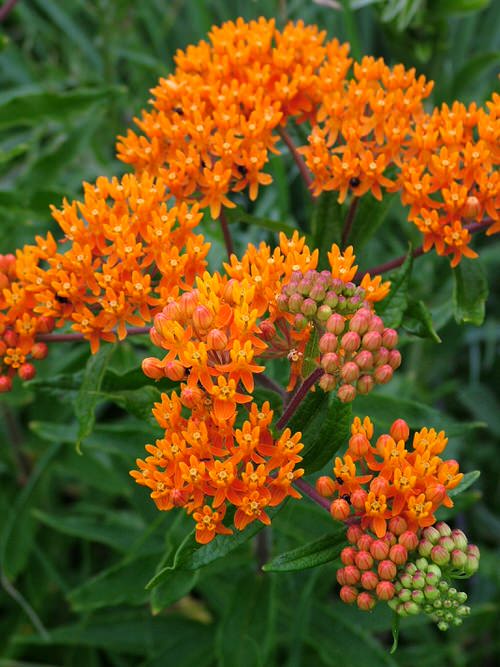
(78, 540)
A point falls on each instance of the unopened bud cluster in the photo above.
(355, 349)
(371, 564)
(17, 341)
(450, 550)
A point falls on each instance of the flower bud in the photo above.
(365, 384)
(372, 341)
(431, 593)
(325, 486)
(418, 596)
(282, 302)
(405, 580)
(440, 555)
(354, 533)
(331, 299)
(400, 430)
(369, 580)
(346, 393)
(385, 590)
(349, 372)
(387, 570)
(472, 208)
(358, 499)
(394, 359)
(409, 540)
(328, 343)
(382, 374)
(347, 555)
(364, 560)
(162, 325)
(377, 324)
(430, 533)
(217, 339)
(295, 303)
(365, 601)
(358, 445)
(191, 396)
(419, 580)
(398, 554)
(5, 384)
(379, 485)
(153, 368)
(318, 292)
(323, 313)
(390, 338)
(411, 568)
(458, 559)
(364, 542)
(425, 547)
(360, 322)
(329, 362)
(26, 371)
(379, 549)
(156, 339)
(309, 307)
(327, 382)
(174, 370)
(364, 360)
(340, 509)
(422, 564)
(202, 319)
(305, 286)
(473, 550)
(341, 576)
(447, 543)
(397, 525)
(348, 594)
(350, 341)
(404, 594)
(351, 575)
(39, 351)
(471, 566)
(381, 356)
(45, 324)
(443, 528)
(335, 324)
(436, 494)
(459, 539)
(10, 338)
(300, 322)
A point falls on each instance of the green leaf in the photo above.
(327, 434)
(175, 585)
(323, 550)
(467, 76)
(392, 308)
(89, 395)
(370, 215)
(470, 292)
(467, 480)
(460, 6)
(138, 402)
(32, 108)
(238, 214)
(244, 632)
(417, 320)
(326, 224)
(313, 408)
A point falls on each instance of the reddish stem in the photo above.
(297, 157)
(351, 214)
(71, 338)
(226, 234)
(298, 397)
(312, 493)
(6, 9)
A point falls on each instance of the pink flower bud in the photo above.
(347, 555)
(383, 374)
(156, 339)
(325, 486)
(377, 324)
(400, 430)
(153, 368)
(340, 509)
(372, 341)
(328, 343)
(323, 313)
(349, 372)
(473, 550)
(472, 208)
(365, 601)
(329, 362)
(26, 372)
(327, 382)
(10, 337)
(409, 540)
(471, 566)
(335, 324)
(351, 575)
(369, 580)
(459, 539)
(364, 542)
(365, 384)
(309, 307)
(425, 548)
(346, 393)
(398, 554)
(45, 324)
(390, 538)
(397, 525)
(385, 590)
(39, 351)
(295, 303)
(348, 594)
(458, 559)
(5, 384)
(174, 370)
(364, 360)
(217, 339)
(432, 534)
(350, 341)
(387, 570)
(162, 324)
(360, 322)
(390, 338)
(341, 576)
(364, 560)
(300, 322)
(394, 359)
(267, 330)
(187, 304)
(353, 534)
(172, 311)
(379, 485)
(358, 445)
(358, 499)
(191, 396)
(440, 555)
(443, 528)
(379, 549)
(282, 302)
(381, 356)
(447, 543)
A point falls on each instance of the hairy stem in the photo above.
(297, 157)
(76, 337)
(298, 397)
(351, 214)
(312, 493)
(226, 234)
(6, 9)
(267, 383)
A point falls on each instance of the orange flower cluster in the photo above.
(395, 482)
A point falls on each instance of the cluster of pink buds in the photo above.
(355, 349)
(450, 550)
(371, 564)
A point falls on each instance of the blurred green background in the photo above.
(78, 540)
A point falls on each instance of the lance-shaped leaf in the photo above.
(318, 552)
(393, 307)
(326, 434)
(470, 292)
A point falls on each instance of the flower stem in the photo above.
(351, 214)
(298, 397)
(312, 493)
(226, 234)
(270, 384)
(304, 172)
(6, 9)
(76, 337)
